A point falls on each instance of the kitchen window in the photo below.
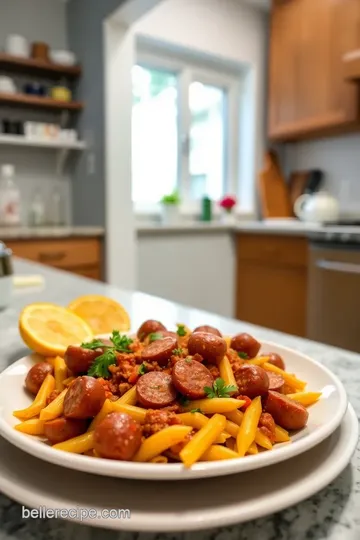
(182, 120)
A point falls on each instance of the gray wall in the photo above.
(85, 32)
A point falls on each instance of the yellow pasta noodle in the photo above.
(104, 411)
(77, 445)
(262, 440)
(60, 372)
(68, 381)
(197, 421)
(226, 372)
(233, 428)
(162, 440)
(247, 431)
(137, 413)
(235, 416)
(159, 459)
(34, 426)
(54, 409)
(40, 400)
(259, 361)
(253, 449)
(215, 405)
(129, 397)
(217, 453)
(202, 440)
(305, 398)
(289, 379)
(281, 435)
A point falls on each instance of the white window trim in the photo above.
(215, 74)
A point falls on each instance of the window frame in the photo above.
(188, 69)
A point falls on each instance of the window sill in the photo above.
(186, 226)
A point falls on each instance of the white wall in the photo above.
(196, 269)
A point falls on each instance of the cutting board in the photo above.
(273, 192)
(297, 185)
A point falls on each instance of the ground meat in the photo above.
(123, 388)
(235, 361)
(156, 420)
(267, 426)
(107, 387)
(126, 363)
(135, 346)
(214, 370)
(54, 394)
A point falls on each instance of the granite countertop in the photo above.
(23, 233)
(332, 514)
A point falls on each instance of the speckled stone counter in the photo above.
(334, 513)
(26, 233)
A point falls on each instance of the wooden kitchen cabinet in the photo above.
(82, 256)
(308, 94)
(272, 282)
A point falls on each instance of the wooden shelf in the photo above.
(352, 69)
(21, 140)
(25, 100)
(40, 67)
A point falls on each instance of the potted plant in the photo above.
(227, 203)
(170, 208)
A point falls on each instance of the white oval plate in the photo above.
(187, 506)
(325, 416)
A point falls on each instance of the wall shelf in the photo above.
(25, 100)
(20, 140)
(38, 67)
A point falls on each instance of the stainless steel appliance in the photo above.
(334, 289)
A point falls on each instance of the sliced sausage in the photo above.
(161, 334)
(276, 382)
(246, 344)
(286, 412)
(79, 360)
(276, 360)
(190, 377)
(208, 330)
(159, 351)
(211, 347)
(252, 380)
(155, 390)
(149, 327)
(118, 436)
(62, 429)
(37, 375)
(84, 398)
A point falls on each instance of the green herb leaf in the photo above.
(100, 366)
(243, 355)
(196, 410)
(155, 336)
(220, 389)
(121, 343)
(181, 330)
(142, 369)
(188, 359)
(178, 352)
(94, 344)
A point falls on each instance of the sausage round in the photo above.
(62, 429)
(84, 398)
(155, 390)
(252, 380)
(159, 351)
(37, 375)
(161, 334)
(276, 382)
(79, 360)
(118, 436)
(208, 329)
(246, 344)
(276, 360)
(190, 377)
(211, 347)
(286, 412)
(149, 327)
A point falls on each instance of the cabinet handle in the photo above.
(52, 257)
(333, 266)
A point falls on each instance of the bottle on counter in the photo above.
(206, 209)
(9, 197)
(56, 208)
(37, 210)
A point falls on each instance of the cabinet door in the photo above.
(320, 100)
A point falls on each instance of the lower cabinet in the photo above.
(272, 282)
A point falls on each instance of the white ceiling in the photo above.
(264, 4)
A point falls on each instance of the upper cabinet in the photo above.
(308, 93)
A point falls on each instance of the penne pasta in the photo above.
(54, 409)
(51, 360)
(40, 400)
(215, 405)
(235, 416)
(217, 453)
(202, 440)
(253, 449)
(129, 397)
(305, 398)
(162, 440)
(159, 459)
(247, 431)
(262, 440)
(232, 428)
(105, 410)
(226, 372)
(198, 421)
(227, 341)
(77, 445)
(34, 426)
(259, 361)
(67, 382)
(281, 435)
(289, 379)
(137, 413)
(60, 373)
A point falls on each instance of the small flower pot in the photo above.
(170, 214)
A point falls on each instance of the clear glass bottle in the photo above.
(37, 210)
(9, 197)
(56, 207)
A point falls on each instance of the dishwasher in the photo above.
(334, 293)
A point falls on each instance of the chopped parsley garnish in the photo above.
(181, 330)
(142, 369)
(155, 336)
(100, 366)
(243, 355)
(178, 352)
(220, 389)
(188, 359)
(196, 410)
